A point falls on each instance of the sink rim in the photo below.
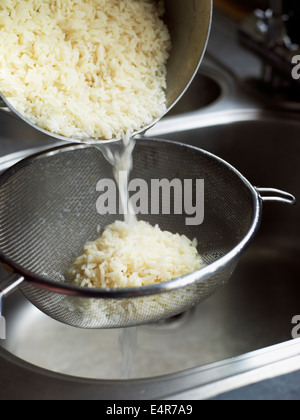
(198, 383)
(179, 123)
(216, 117)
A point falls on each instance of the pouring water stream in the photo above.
(120, 157)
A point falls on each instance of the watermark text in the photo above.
(158, 196)
(296, 329)
(296, 68)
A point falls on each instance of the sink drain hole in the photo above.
(172, 323)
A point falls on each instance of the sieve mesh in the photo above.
(48, 212)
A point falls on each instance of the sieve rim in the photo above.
(195, 277)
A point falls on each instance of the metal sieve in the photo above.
(189, 23)
(48, 212)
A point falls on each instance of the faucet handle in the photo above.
(263, 17)
(272, 24)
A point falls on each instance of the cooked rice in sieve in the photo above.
(85, 68)
(135, 255)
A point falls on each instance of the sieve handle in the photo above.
(273, 194)
(8, 285)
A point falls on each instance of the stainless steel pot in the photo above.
(189, 23)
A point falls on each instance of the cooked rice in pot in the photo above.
(85, 68)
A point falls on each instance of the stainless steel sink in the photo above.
(252, 312)
(207, 89)
(240, 336)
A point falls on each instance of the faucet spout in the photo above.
(266, 34)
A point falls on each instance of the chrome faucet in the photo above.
(266, 34)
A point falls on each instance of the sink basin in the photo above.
(252, 312)
(264, 147)
(207, 89)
